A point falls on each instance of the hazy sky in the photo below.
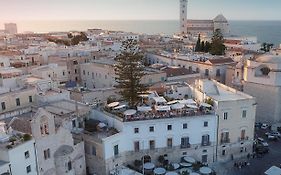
(14, 10)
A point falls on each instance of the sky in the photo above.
(14, 10)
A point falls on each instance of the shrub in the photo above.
(26, 137)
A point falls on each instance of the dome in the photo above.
(220, 18)
(269, 59)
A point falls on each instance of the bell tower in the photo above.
(183, 16)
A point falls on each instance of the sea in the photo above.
(265, 31)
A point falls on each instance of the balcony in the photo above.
(206, 143)
(185, 146)
(224, 141)
(243, 138)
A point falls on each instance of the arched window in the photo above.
(44, 126)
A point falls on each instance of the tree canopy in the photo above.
(129, 70)
(217, 45)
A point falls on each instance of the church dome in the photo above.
(220, 18)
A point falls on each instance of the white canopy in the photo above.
(119, 107)
(113, 104)
(130, 112)
(148, 166)
(159, 171)
(159, 99)
(188, 101)
(192, 106)
(184, 164)
(176, 165)
(205, 170)
(189, 159)
(206, 105)
(162, 108)
(172, 102)
(101, 125)
(144, 108)
(274, 170)
(177, 106)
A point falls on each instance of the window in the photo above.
(225, 137)
(30, 99)
(223, 152)
(169, 127)
(3, 105)
(151, 129)
(170, 142)
(218, 73)
(93, 75)
(69, 166)
(116, 150)
(185, 142)
(75, 70)
(137, 146)
(73, 123)
(184, 126)
(47, 154)
(63, 73)
(28, 169)
(244, 114)
(151, 144)
(205, 124)
(26, 154)
(205, 140)
(225, 115)
(94, 151)
(136, 130)
(204, 158)
(243, 134)
(18, 101)
(206, 72)
(84, 72)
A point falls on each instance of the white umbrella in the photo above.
(176, 165)
(192, 106)
(206, 105)
(184, 164)
(113, 104)
(101, 125)
(189, 159)
(172, 102)
(119, 107)
(205, 170)
(148, 166)
(177, 106)
(130, 112)
(159, 171)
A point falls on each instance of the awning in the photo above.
(120, 107)
(189, 159)
(113, 104)
(172, 102)
(192, 106)
(130, 112)
(144, 108)
(148, 166)
(159, 99)
(205, 170)
(206, 105)
(188, 101)
(162, 108)
(177, 106)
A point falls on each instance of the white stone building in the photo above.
(262, 79)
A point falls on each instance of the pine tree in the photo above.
(129, 70)
(198, 44)
(202, 47)
(217, 45)
(207, 47)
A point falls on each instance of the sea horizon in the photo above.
(265, 30)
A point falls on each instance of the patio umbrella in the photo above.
(148, 166)
(189, 159)
(191, 106)
(176, 166)
(205, 170)
(159, 171)
(130, 112)
(172, 102)
(119, 107)
(113, 104)
(184, 164)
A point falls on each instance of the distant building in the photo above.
(11, 28)
(203, 27)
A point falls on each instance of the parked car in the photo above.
(275, 133)
(262, 148)
(272, 137)
(264, 126)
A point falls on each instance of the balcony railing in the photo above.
(185, 146)
(243, 138)
(206, 143)
(223, 141)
